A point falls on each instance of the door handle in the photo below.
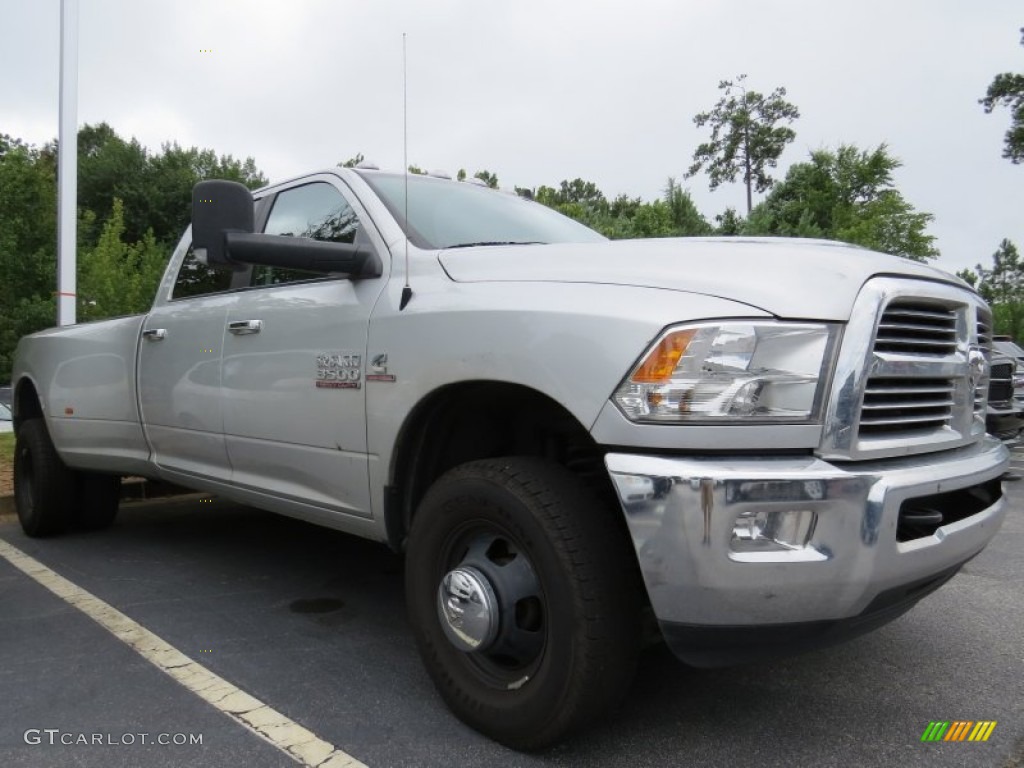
(154, 334)
(242, 327)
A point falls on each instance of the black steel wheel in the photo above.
(44, 487)
(521, 592)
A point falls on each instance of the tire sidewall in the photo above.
(44, 506)
(533, 705)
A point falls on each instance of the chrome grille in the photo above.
(901, 405)
(912, 372)
(910, 330)
(1000, 385)
(911, 376)
(984, 331)
(916, 328)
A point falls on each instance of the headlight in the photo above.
(731, 372)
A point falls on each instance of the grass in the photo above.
(6, 449)
(6, 462)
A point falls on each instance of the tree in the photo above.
(746, 138)
(166, 204)
(1002, 287)
(577, 199)
(352, 162)
(28, 237)
(1007, 90)
(846, 195)
(156, 189)
(729, 223)
(133, 206)
(686, 219)
(488, 178)
(116, 278)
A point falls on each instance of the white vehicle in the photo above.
(756, 446)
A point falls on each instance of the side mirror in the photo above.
(219, 207)
(287, 252)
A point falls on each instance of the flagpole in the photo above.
(67, 164)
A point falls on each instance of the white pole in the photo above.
(67, 163)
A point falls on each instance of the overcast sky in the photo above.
(540, 91)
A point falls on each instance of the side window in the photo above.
(196, 279)
(316, 211)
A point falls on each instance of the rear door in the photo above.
(179, 372)
(294, 360)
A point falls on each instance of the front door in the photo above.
(294, 359)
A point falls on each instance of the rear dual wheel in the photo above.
(49, 496)
(521, 593)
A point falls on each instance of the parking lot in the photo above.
(312, 624)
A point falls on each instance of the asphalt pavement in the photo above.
(312, 623)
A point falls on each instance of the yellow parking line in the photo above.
(302, 745)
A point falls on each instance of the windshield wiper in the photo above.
(496, 242)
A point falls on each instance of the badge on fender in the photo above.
(338, 370)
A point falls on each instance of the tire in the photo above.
(565, 648)
(98, 499)
(44, 487)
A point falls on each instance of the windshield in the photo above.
(450, 214)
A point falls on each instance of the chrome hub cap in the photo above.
(468, 609)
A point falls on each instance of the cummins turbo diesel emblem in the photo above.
(338, 370)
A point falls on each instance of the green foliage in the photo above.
(352, 162)
(845, 195)
(488, 178)
(1007, 90)
(1002, 287)
(116, 278)
(968, 276)
(28, 236)
(156, 189)
(132, 208)
(730, 223)
(675, 215)
(746, 138)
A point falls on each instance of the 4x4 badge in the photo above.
(379, 369)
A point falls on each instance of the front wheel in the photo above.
(520, 589)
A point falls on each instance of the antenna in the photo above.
(406, 289)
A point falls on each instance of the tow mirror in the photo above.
(219, 207)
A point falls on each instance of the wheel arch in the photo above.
(481, 419)
(26, 402)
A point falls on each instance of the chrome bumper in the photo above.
(681, 514)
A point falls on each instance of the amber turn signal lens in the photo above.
(659, 365)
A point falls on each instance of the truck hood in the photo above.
(787, 277)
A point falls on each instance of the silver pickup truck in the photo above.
(748, 447)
